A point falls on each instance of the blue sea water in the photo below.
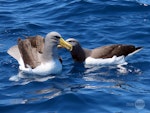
(78, 89)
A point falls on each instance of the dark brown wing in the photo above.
(28, 53)
(111, 50)
(37, 42)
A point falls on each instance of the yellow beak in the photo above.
(65, 44)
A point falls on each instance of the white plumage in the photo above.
(108, 61)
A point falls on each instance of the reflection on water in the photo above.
(108, 79)
(144, 2)
(29, 77)
(43, 95)
(12, 101)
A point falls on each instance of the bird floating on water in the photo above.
(38, 55)
(109, 54)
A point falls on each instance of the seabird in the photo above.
(109, 54)
(38, 55)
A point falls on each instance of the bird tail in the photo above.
(137, 49)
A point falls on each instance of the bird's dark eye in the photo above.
(71, 41)
(57, 37)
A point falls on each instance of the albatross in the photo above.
(108, 54)
(38, 55)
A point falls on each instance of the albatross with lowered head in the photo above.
(109, 54)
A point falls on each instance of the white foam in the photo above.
(14, 78)
(122, 70)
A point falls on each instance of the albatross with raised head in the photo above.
(39, 55)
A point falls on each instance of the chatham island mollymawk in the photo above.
(109, 54)
(38, 55)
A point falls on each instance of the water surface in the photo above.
(78, 89)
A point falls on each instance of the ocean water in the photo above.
(78, 89)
